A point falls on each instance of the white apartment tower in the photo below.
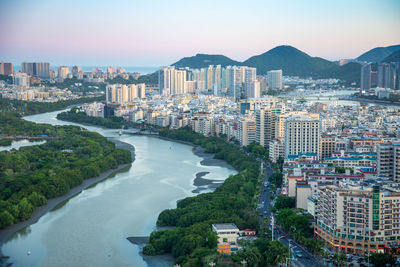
(302, 134)
(274, 79)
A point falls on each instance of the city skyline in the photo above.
(135, 33)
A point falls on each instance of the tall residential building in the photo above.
(38, 69)
(21, 79)
(210, 77)
(327, 146)
(63, 72)
(274, 79)
(247, 131)
(6, 68)
(172, 81)
(384, 75)
(266, 123)
(254, 90)
(179, 82)
(123, 94)
(389, 160)
(302, 135)
(76, 70)
(280, 129)
(365, 83)
(217, 80)
(250, 75)
(358, 219)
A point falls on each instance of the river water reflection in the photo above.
(91, 228)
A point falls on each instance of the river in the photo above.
(90, 229)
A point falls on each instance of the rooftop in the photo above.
(225, 226)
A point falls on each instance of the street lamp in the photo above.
(244, 262)
(272, 226)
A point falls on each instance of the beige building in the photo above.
(357, 219)
(303, 192)
(266, 123)
(247, 131)
(226, 232)
(302, 135)
(327, 146)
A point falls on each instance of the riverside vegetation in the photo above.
(33, 174)
(192, 242)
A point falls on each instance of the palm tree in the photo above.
(342, 259)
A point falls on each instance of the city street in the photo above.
(306, 259)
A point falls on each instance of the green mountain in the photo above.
(378, 54)
(394, 57)
(204, 60)
(292, 61)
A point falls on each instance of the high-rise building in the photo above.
(21, 79)
(374, 79)
(327, 146)
(247, 131)
(250, 75)
(358, 219)
(302, 135)
(395, 75)
(217, 80)
(254, 91)
(123, 94)
(365, 83)
(172, 81)
(384, 75)
(389, 160)
(6, 68)
(63, 72)
(179, 82)
(210, 78)
(38, 69)
(266, 123)
(274, 79)
(76, 70)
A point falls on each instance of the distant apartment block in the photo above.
(6, 68)
(38, 69)
(274, 79)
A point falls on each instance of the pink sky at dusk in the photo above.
(153, 33)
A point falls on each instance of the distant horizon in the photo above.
(105, 65)
(139, 33)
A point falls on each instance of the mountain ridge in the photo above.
(378, 54)
(291, 60)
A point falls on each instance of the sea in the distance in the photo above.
(141, 69)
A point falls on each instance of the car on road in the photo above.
(299, 255)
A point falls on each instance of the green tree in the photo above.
(6, 219)
(382, 259)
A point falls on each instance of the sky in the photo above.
(160, 32)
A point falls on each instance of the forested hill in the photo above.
(33, 174)
(394, 57)
(378, 54)
(204, 60)
(292, 61)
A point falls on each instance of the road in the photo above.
(307, 259)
